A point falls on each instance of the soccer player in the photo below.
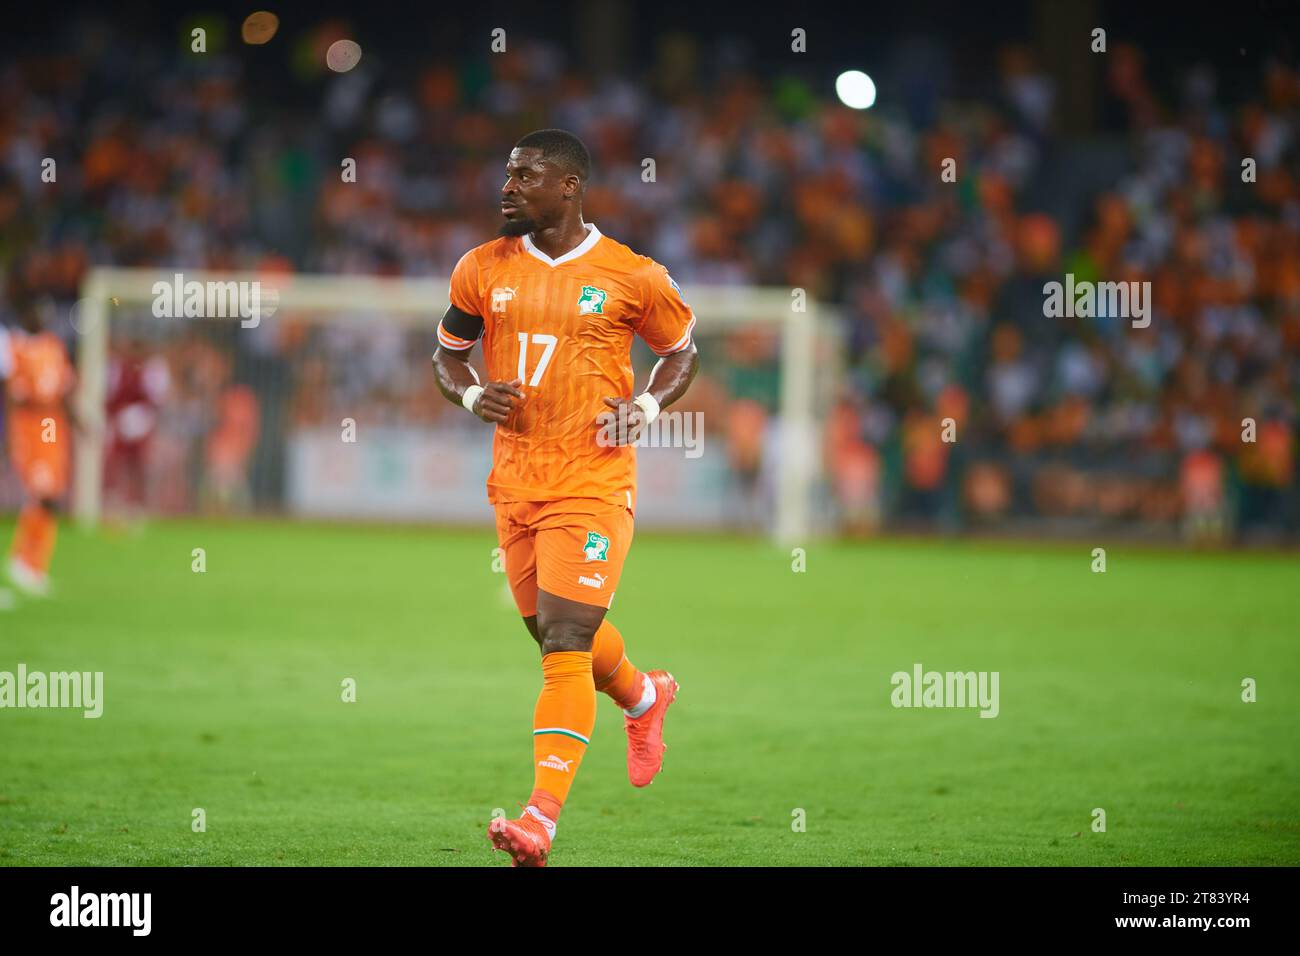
(37, 376)
(557, 304)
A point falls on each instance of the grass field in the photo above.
(222, 691)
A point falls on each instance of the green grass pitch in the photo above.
(1119, 691)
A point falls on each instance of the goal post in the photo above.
(806, 368)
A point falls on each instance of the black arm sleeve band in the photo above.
(462, 324)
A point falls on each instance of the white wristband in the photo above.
(471, 396)
(646, 402)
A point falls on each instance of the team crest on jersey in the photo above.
(597, 546)
(592, 300)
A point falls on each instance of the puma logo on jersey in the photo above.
(555, 763)
(595, 581)
(500, 297)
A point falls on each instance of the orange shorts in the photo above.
(43, 466)
(573, 548)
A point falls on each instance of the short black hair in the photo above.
(561, 147)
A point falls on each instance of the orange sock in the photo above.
(613, 673)
(34, 537)
(562, 725)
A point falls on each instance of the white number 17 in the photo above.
(538, 339)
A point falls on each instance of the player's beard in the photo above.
(518, 227)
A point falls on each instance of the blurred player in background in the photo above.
(138, 383)
(229, 450)
(557, 305)
(37, 377)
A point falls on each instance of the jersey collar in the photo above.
(593, 237)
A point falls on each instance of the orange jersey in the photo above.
(35, 370)
(37, 376)
(565, 326)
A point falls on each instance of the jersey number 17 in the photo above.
(538, 339)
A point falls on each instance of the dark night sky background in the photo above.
(1226, 35)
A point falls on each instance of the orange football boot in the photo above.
(645, 734)
(525, 839)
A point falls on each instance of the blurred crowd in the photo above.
(962, 402)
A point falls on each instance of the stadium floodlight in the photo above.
(123, 302)
(855, 89)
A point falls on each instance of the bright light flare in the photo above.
(855, 89)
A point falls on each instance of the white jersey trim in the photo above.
(593, 237)
(683, 342)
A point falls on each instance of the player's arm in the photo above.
(665, 324)
(672, 375)
(457, 380)
(669, 381)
